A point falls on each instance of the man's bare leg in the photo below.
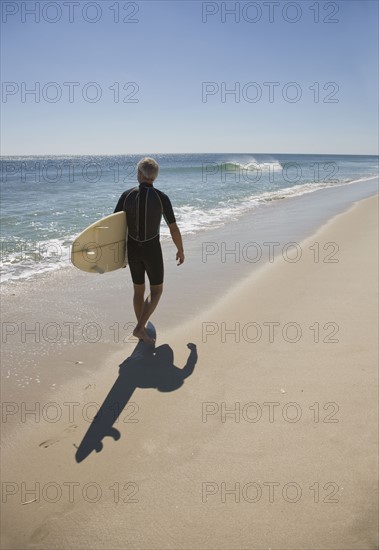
(138, 299)
(149, 306)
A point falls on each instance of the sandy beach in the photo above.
(252, 425)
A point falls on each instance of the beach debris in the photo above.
(29, 501)
(78, 362)
(282, 391)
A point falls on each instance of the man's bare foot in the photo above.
(141, 334)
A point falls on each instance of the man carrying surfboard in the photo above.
(144, 206)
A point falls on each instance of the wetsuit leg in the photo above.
(136, 262)
(153, 261)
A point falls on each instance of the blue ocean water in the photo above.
(48, 201)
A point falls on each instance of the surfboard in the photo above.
(102, 246)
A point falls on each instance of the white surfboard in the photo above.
(102, 246)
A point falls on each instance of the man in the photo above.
(144, 206)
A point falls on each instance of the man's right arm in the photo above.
(177, 238)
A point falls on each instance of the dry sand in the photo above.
(267, 440)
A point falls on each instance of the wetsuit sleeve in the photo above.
(120, 204)
(168, 212)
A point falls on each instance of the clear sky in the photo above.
(169, 54)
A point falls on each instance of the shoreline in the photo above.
(170, 452)
(8, 285)
(81, 321)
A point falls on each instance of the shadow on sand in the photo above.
(147, 367)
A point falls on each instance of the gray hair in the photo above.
(149, 168)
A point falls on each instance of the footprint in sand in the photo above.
(39, 534)
(45, 529)
(50, 442)
(71, 428)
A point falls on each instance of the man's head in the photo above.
(148, 170)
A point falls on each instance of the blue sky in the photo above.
(169, 53)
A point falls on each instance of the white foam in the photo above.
(21, 260)
(253, 165)
(50, 255)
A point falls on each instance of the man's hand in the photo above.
(177, 238)
(179, 257)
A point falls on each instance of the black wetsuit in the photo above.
(144, 206)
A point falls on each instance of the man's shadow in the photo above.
(147, 367)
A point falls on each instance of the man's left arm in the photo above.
(169, 216)
(177, 238)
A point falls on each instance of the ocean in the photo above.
(47, 201)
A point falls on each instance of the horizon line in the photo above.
(181, 153)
